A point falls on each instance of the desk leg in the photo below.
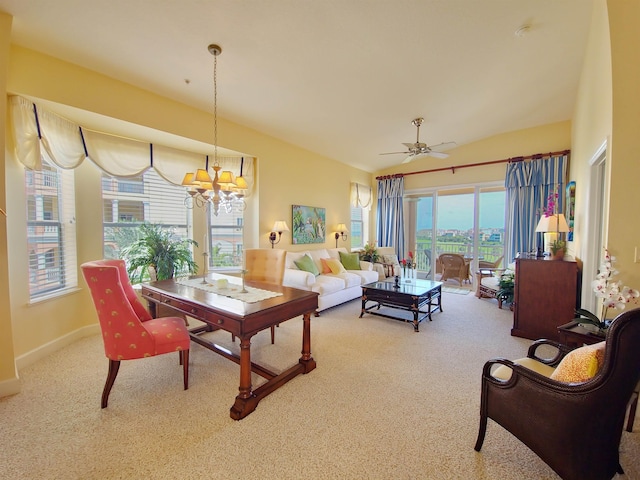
(246, 402)
(306, 360)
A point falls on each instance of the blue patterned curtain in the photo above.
(528, 185)
(390, 214)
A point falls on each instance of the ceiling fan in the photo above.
(419, 149)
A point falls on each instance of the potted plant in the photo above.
(370, 253)
(506, 288)
(557, 249)
(613, 293)
(160, 249)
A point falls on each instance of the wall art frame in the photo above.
(309, 224)
(571, 208)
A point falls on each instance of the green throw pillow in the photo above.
(351, 261)
(307, 264)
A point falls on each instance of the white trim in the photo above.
(594, 224)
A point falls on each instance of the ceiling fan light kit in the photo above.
(419, 149)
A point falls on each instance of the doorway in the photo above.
(469, 221)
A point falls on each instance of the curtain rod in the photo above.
(453, 168)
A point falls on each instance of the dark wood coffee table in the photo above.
(420, 297)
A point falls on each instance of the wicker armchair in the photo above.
(454, 266)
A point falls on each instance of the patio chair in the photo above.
(454, 266)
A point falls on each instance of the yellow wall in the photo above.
(608, 106)
(543, 139)
(608, 110)
(287, 174)
(623, 228)
(8, 374)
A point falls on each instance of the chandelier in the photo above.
(221, 190)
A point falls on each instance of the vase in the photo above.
(558, 255)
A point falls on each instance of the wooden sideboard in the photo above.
(546, 295)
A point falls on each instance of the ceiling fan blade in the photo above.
(410, 158)
(438, 154)
(444, 145)
(394, 153)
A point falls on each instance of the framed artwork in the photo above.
(571, 208)
(308, 224)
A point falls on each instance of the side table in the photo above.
(574, 335)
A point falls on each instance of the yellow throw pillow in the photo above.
(581, 364)
(333, 265)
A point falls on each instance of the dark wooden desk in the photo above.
(243, 320)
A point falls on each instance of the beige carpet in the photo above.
(383, 403)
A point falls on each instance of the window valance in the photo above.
(38, 132)
(361, 196)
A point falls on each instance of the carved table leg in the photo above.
(306, 359)
(245, 402)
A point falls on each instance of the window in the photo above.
(51, 230)
(131, 201)
(226, 232)
(358, 216)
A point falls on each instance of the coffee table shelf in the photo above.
(420, 297)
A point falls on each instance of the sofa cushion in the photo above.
(349, 279)
(366, 276)
(328, 284)
(325, 267)
(331, 265)
(307, 264)
(291, 257)
(390, 259)
(317, 255)
(581, 364)
(351, 261)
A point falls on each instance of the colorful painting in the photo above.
(571, 208)
(308, 224)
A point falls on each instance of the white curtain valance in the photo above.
(39, 132)
(361, 196)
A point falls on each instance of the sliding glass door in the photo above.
(469, 221)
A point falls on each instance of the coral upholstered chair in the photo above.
(128, 331)
(265, 265)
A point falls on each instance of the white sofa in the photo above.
(334, 289)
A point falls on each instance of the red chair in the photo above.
(128, 331)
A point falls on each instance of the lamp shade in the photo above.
(553, 223)
(226, 179)
(342, 228)
(280, 226)
(188, 179)
(202, 176)
(241, 183)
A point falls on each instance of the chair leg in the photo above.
(184, 359)
(482, 430)
(114, 366)
(632, 411)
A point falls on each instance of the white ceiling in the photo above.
(343, 78)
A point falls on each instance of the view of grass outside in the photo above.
(455, 232)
